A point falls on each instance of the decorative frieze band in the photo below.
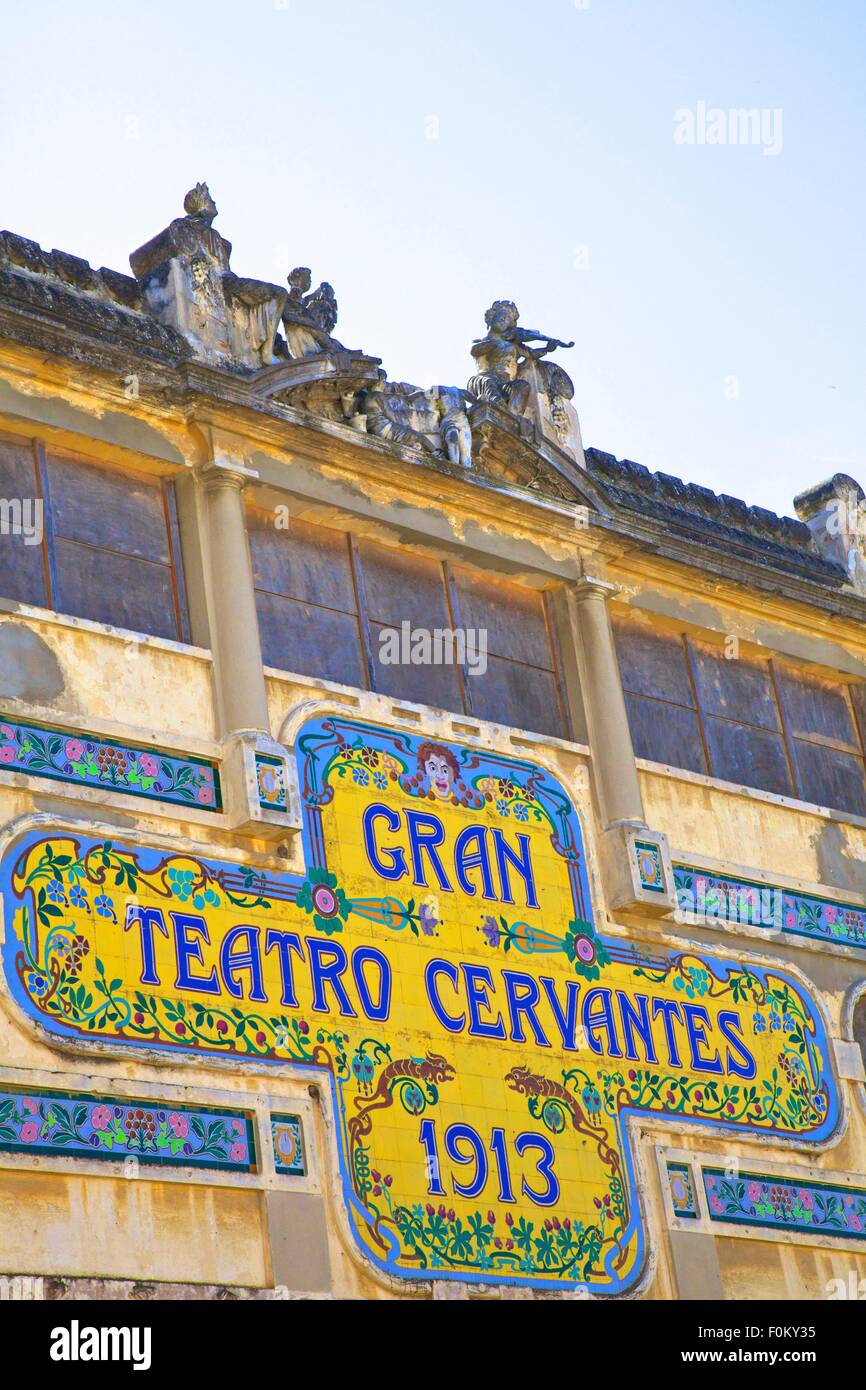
(87, 1126)
(706, 897)
(755, 1199)
(768, 1201)
(89, 761)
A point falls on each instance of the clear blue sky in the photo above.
(555, 180)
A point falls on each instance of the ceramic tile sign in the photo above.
(438, 961)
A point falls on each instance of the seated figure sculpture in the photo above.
(394, 411)
(500, 354)
(309, 319)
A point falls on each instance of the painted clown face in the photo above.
(440, 774)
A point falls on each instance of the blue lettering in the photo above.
(434, 969)
(328, 972)
(600, 1019)
(478, 982)
(250, 959)
(394, 864)
(522, 862)
(186, 950)
(426, 832)
(729, 1027)
(285, 942)
(146, 918)
(523, 1003)
(364, 954)
(478, 859)
(636, 1020)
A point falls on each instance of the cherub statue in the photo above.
(500, 354)
(309, 319)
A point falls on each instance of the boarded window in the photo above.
(825, 740)
(22, 555)
(391, 620)
(108, 548)
(404, 588)
(520, 686)
(659, 697)
(761, 723)
(305, 596)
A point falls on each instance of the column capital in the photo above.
(591, 586)
(223, 473)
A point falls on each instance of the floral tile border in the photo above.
(88, 1126)
(89, 761)
(720, 897)
(287, 1136)
(757, 1199)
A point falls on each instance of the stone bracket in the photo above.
(260, 786)
(637, 871)
(849, 1060)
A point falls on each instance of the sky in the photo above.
(428, 158)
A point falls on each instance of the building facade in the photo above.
(432, 854)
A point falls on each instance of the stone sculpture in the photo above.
(187, 284)
(454, 427)
(501, 354)
(309, 319)
(400, 413)
(185, 280)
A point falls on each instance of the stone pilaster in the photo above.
(240, 682)
(617, 786)
(635, 860)
(260, 783)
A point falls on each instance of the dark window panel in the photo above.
(665, 733)
(22, 567)
(512, 616)
(814, 705)
(115, 511)
(831, 778)
(403, 587)
(653, 664)
(754, 757)
(858, 700)
(522, 696)
(310, 641)
(116, 589)
(427, 685)
(308, 563)
(739, 688)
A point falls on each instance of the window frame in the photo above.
(39, 453)
(785, 732)
(365, 622)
